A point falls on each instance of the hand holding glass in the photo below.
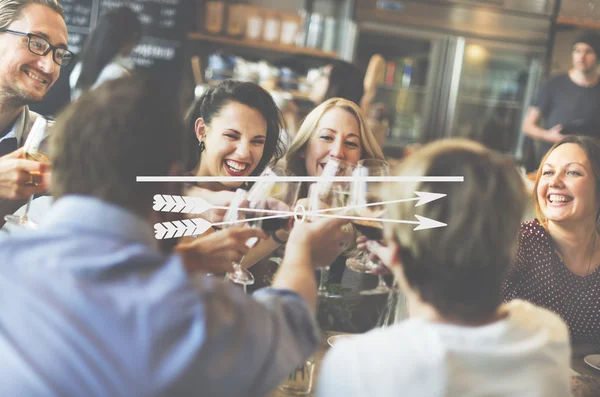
(32, 150)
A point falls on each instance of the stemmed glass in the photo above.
(234, 217)
(363, 197)
(327, 195)
(33, 150)
(267, 205)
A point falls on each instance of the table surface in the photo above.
(577, 365)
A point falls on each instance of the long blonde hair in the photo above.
(369, 146)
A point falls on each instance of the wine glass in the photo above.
(236, 217)
(266, 205)
(364, 200)
(33, 150)
(329, 196)
(275, 198)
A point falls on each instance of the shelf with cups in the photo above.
(262, 45)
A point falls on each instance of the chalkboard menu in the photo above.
(164, 26)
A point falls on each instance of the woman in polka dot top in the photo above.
(558, 253)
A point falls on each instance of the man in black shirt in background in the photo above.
(568, 103)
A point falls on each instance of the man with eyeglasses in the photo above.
(33, 48)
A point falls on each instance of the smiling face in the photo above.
(26, 77)
(567, 186)
(584, 58)
(337, 135)
(234, 141)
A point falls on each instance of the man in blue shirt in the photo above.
(92, 306)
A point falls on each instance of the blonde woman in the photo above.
(334, 129)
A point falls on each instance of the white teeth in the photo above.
(234, 165)
(33, 76)
(557, 198)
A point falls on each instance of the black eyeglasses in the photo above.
(40, 46)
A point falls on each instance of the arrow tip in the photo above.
(426, 223)
(427, 197)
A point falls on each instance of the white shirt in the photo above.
(119, 67)
(526, 354)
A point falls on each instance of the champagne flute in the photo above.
(33, 150)
(236, 218)
(363, 202)
(268, 206)
(327, 194)
(279, 198)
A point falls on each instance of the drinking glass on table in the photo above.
(300, 381)
(33, 150)
(365, 199)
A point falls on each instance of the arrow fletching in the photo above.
(186, 227)
(181, 204)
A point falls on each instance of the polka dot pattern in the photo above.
(540, 276)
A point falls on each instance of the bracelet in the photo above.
(277, 239)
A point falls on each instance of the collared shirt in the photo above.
(22, 126)
(89, 306)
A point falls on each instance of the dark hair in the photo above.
(114, 30)
(246, 93)
(591, 147)
(591, 39)
(345, 81)
(113, 134)
(459, 268)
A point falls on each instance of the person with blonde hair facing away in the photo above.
(460, 340)
(558, 254)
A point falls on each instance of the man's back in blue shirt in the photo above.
(91, 307)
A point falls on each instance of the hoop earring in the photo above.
(202, 146)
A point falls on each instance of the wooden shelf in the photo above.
(584, 23)
(262, 45)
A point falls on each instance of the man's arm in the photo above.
(311, 245)
(258, 340)
(533, 130)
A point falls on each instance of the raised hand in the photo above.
(216, 252)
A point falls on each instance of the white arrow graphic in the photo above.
(181, 204)
(422, 223)
(427, 197)
(423, 198)
(185, 227)
(196, 205)
(426, 223)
